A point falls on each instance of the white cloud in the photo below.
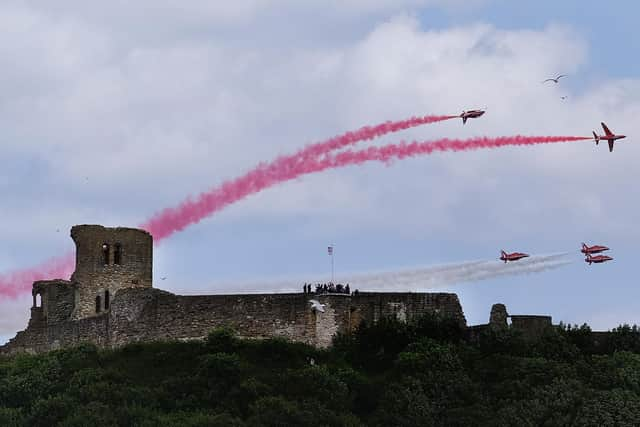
(184, 116)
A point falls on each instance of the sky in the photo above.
(110, 113)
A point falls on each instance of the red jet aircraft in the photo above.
(471, 114)
(593, 249)
(512, 257)
(608, 136)
(597, 259)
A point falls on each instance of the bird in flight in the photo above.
(556, 79)
(315, 305)
(163, 278)
(563, 97)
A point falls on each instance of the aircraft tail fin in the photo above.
(584, 246)
(464, 120)
(596, 137)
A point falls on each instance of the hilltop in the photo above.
(422, 372)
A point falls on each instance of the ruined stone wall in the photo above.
(531, 326)
(166, 316)
(154, 314)
(57, 299)
(42, 338)
(150, 314)
(128, 263)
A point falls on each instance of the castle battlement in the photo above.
(110, 301)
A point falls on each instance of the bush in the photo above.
(221, 340)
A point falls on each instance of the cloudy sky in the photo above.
(111, 112)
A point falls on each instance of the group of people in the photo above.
(328, 288)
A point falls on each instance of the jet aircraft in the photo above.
(609, 136)
(597, 259)
(471, 114)
(593, 249)
(512, 257)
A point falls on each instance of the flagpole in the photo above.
(332, 263)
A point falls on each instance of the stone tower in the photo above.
(107, 260)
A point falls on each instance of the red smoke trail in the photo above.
(363, 134)
(18, 282)
(265, 175)
(172, 220)
(14, 283)
(400, 151)
(283, 169)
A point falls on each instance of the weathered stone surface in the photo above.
(138, 314)
(531, 326)
(57, 300)
(107, 260)
(498, 316)
(69, 313)
(66, 313)
(153, 314)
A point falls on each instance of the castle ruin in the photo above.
(110, 301)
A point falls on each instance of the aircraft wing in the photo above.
(606, 129)
(610, 145)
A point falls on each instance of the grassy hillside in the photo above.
(389, 374)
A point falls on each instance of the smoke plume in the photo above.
(172, 220)
(13, 284)
(363, 134)
(432, 278)
(285, 168)
(20, 281)
(407, 280)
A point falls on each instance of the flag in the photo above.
(330, 250)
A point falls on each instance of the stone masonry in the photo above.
(107, 260)
(110, 301)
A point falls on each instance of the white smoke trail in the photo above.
(408, 280)
(432, 278)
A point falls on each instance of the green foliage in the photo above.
(502, 341)
(423, 372)
(11, 417)
(609, 408)
(439, 327)
(221, 340)
(278, 353)
(196, 419)
(406, 403)
(620, 370)
(624, 338)
(580, 336)
(375, 347)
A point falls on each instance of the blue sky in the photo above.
(157, 101)
(608, 30)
